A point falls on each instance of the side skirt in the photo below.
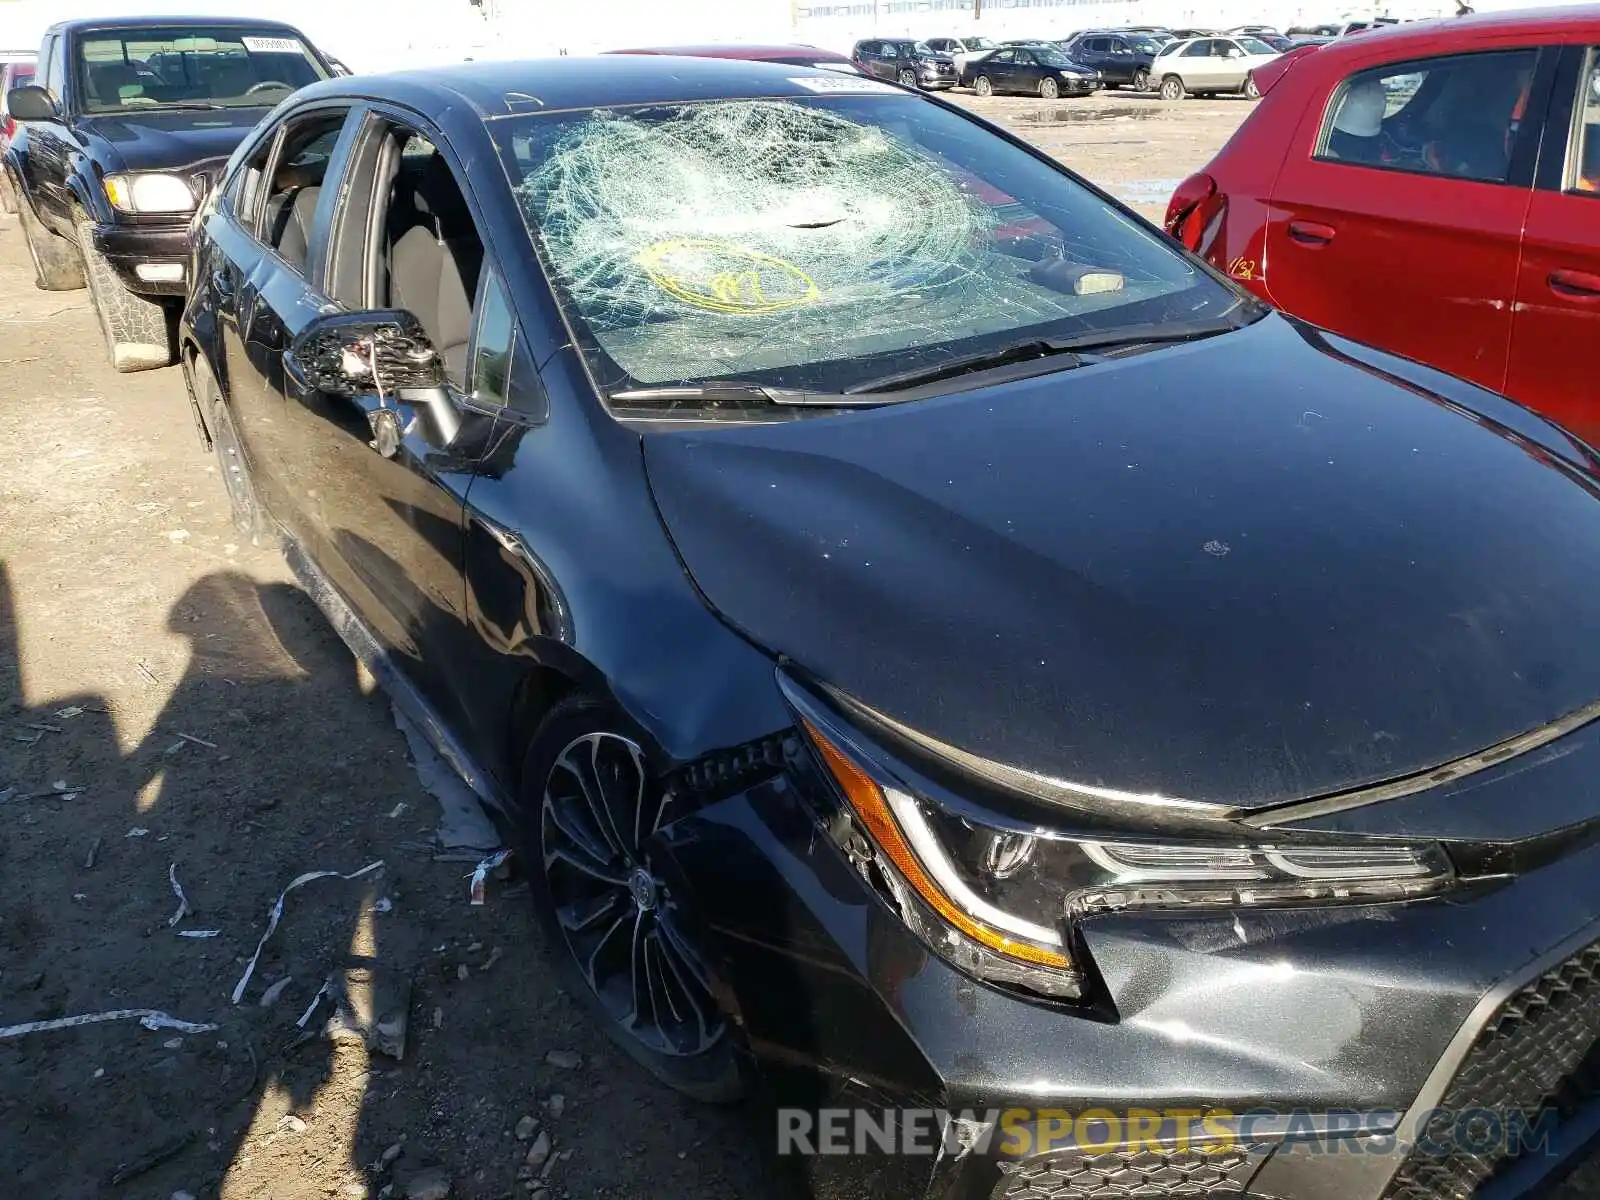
(405, 695)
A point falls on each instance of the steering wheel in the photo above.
(266, 84)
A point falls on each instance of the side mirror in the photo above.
(358, 354)
(31, 103)
(1236, 53)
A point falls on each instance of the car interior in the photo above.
(297, 186)
(431, 253)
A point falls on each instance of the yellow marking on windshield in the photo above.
(725, 278)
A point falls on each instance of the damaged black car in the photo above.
(950, 658)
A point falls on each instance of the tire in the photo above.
(248, 516)
(1251, 91)
(907, 79)
(135, 328)
(1141, 80)
(1049, 89)
(1172, 88)
(983, 86)
(57, 265)
(585, 786)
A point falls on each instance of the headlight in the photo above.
(997, 895)
(149, 193)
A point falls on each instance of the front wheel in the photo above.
(589, 809)
(1049, 89)
(983, 87)
(1172, 88)
(1141, 80)
(135, 328)
(908, 79)
(1251, 90)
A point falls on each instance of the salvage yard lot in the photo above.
(192, 713)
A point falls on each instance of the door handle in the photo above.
(1576, 285)
(1311, 233)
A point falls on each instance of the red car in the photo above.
(16, 70)
(1432, 189)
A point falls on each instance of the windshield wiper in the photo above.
(735, 392)
(1052, 354)
(198, 105)
(1015, 352)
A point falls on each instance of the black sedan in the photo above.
(951, 660)
(1041, 69)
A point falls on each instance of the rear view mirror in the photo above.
(358, 354)
(31, 103)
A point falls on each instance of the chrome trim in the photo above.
(1421, 781)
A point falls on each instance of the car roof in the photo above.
(751, 53)
(499, 89)
(1541, 25)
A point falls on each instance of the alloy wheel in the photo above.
(1171, 88)
(1141, 80)
(983, 87)
(1251, 90)
(1049, 89)
(620, 921)
(908, 79)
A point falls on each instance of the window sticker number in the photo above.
(272, 45)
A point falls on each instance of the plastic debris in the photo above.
(277, 915)
(198, 741)
(148, 1017)
(327, 986)
(137, 831)
(480, 874)
(383, 905)
(94, 853)
(198, 933)
(177, 890)
(66, 714)
(273, 993)
(370, 1005)
(7, 794)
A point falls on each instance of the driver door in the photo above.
(387, 522)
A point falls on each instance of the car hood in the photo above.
(166, 140)
(1244, 571)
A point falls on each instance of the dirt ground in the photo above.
(171, 705)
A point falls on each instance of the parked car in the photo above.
(932, 670)
(1122, 59)
(122, 133)
(960, 49)
(1445, 207)
(909, 63)
(16, 70)
(1351, 27)
(1210, 65)
(794, 56)
(1042, 70)
(1183, 35)
(1319, 31)
(1259, 31)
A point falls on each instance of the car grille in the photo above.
(1141, 1174)
(1540, 1050)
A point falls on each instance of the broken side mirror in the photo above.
(383, 356)
(356, 354)
(32, 103)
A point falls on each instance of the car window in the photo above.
(296, 186)
(1252, 45)
(244, 191)
(1026, 58)
(1585, 169)
(1222, 47)
(868, 234)
(501, 374)
(1198, 49)
(190, 65)
(1457, 116)
(1003, 56)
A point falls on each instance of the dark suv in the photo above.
(119, 137)
(906, 61)
(1123, 59)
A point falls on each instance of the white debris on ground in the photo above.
(463, 824)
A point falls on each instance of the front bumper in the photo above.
(151, 260)
(1344, 1022)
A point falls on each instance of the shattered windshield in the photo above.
(819, 242)
(191, 65)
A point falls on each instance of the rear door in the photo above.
(1556, 318)
(1397, 216)
(1197, 66)
(1228, 63)
(1117, 64)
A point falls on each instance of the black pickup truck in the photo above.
(126, 125)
